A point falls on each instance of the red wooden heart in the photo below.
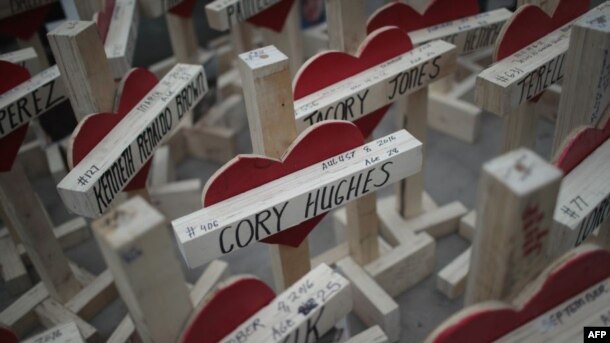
(91, 130)
(273, 17)
(7, 336)
(104, 18)
(330, 67)
(12, 75)
(230, 306)
(26, 24)
(580, 145)
(244, 172)
(530, 23)
(487, 322)
(404, 16)
(184, 9)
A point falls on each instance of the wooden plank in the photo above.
(346, 24)
(33, 159)
(85, 71)
(216, 272)
(88, 8)
(30, 99)
(468, 34)
(586, 87)
(454, 117)
(26, 58)
(182, 38)
(214, 143)
(92, 185)
(405, 265)
(19, 315)
(211, 232)
(371, 303)
(451, 280)
(156, 8)
(272, 130)
(583, 202)
(467, 225)
(63, 333)
(120, 42)
(11, 8)
(224, 14)
(163, 169)
(28, 217)
(93, 297)
(517, 194)
(51, 313)
(376, 87)
(506, 85)
(135, 243)
(371, 335)
(14, 274)
(55, 161)
(323, 297)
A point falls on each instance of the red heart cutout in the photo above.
(530, 23)
(404, 16)
(273, 17)
(230, 306)
(7, 336)
(330, 67)
(480, 324)
(580, 145)
(12, 75)
(184, 9)
(26, 24)
(104, 18)
(93, 128)
(244, 172)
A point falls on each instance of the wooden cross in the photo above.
(507, 87)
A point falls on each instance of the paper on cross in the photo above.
(93, 184)
(288, 201)
(468, 34)
(503, 87)
(30, 99)
(583, 202)
(376, 87)
(302, 313)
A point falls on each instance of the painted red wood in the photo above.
(230, 306)
(482, 324)
(7, 336)
(245, 172)
(12, 75)
(26, 24)
(273, 17)
(405, 17)
(530, 23)
(91, 130)
(580, 145)
(330, 67)
(184, 9)
(104, 18)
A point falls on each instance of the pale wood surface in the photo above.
(85, 71)
(28, 218)
(63, 333)
(517, 194)
(451, 280)
(139, 252)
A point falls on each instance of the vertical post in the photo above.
(586, 90)
(85, 70)
(289, 41)
(36, 43)
(28, 218)
(516, 201)
(140, 254)
(87, 8)
(269, 105)
(183, 38)
(413, 118)
(347, 30)
(241, 38)
(519, 128)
